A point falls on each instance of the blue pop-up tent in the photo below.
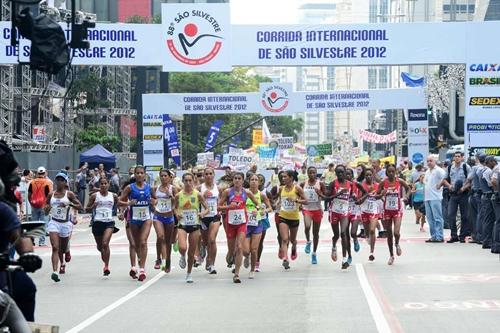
(98, 154)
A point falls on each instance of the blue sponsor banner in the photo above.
(212, 135)
(474, 127)
(265, 152)
(171, 141)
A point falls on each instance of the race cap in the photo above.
(63, 176)
(41, 170)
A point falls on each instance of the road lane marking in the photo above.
(373, 304)
(89, 321)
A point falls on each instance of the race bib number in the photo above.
(103, 213)
(212, 207)
(60, 213)
(352, 206)
(236, 216)
(140, 213)
(392, 202)
(289, 205)
(252, 220)
(312, 196)
(340, 206)
(164, 205)
(189, 217)
(370, 206)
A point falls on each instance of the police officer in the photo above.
(495, 246)
(456, 177)
(487, 209)
(475, 196)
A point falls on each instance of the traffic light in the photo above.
(79, 33)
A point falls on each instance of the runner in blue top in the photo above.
(418, 201)
(139, 197)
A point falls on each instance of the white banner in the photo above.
(418, 136)
(346, 45)
(377, 138)
(204, 158)
(239, 160)
(152, 122)
(39, 133)
(208, 103)
(285, 142)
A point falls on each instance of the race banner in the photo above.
(212, 135)
(418, 135)
(171, 141)
(268, 102)
(377, 138)
(319, 150)
(239, 160)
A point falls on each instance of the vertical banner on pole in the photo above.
(212, 135)
(170, 137)
(418, 135)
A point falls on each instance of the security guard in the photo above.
(473, 182)
(495, 178)
(487, 213)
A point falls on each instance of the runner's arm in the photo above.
(47, 203)
(90, 204)
(74, 202)
(302, 197)
(123, 201)
(203, 203)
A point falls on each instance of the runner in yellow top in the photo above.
(187, 210)
(290, 196)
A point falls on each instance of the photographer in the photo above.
(17, 284)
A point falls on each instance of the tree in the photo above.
(440, 86)
(96, 134)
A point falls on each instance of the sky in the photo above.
(264, 11)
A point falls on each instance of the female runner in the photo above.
(369, 210)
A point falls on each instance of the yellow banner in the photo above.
(257, 137)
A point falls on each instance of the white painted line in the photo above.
(375, 308)
(116, 304)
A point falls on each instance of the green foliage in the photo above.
(137, 19)
(96, 134)
(89, 91)
(239, 80)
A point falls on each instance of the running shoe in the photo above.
(236, 279)
(175, 247)
(62, 269)
(251, 275)
(233, 270)
(157, 264)
(356, 246)
(398, 250)
(182, 262)
(203, 252)
(229, 260)
(167, 266)
(246, 262)
(196, 262)
(334, 254)
(189, 278)
(286, 264)
(308, 248)
(371, 257)
(212, 270)
(391, 261)
(142, 276)
(55, 277)
(314, 260)
(106, 271)
(349, 260)
(294, 253)
(345, 265)
(133, 273)
(67, 256)
(257, 266)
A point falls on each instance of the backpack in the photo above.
(38, 197)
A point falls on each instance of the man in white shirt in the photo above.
(433, 196)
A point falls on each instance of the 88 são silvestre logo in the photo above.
(194, 37)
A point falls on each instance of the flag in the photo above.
(170, 138)
(412, 80)
(266, 134)
(212, 135)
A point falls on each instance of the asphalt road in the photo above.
(430, 288)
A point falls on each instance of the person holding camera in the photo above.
(456, 177)
(17, 284)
